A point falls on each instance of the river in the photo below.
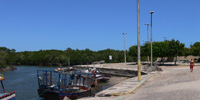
(24, 82)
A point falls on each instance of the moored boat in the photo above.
(98, 77)
(56, 85)
(6, 96)
(102, 78)
(63, 69)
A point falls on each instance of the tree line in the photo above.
(58, 57)
(167, 48)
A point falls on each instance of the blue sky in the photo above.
(31, 25)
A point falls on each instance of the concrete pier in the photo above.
(125, 87)
(118, 91)
(114, 69)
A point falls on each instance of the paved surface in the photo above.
(119, 91)
(123, 66)
(175, 83)
(104, 98)
(126, 87)
(115, 69)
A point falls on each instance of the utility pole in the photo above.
(138, 40)
(151, 12)
(147, 32)
(124, 48)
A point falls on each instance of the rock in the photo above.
(148, 68)
(8, 68)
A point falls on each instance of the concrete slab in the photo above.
(123, 66)
(114, 69)
(104, 98)
(119, 91)
(126, 87)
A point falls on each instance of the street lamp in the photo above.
(147, 32)
(151, 12)
(164, 38)
(124, 48)
(147, 39)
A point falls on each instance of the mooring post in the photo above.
(3, 87)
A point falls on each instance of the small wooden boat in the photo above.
(98, 77)
(63, 69)
(56, 85)
(102, 78)
(6, 96)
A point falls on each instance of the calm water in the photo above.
(24, 82)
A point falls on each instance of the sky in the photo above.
(32, 25)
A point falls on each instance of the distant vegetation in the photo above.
(162, 49)
(165, 48)
(57, 57)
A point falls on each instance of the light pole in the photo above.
(151, 12)
(124, 48)
(164, 38)
(147, 32)
(147, 38)
(138, 40)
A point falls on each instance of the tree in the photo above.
(144, 51)
(160, 49)
(6, 56)
(3, 57)
(195, 49)
(176, 49)
(133, 51)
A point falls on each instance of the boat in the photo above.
(4, 95)
(63, 69)
(100, 78)
(58, 85)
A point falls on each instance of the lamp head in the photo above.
(151, 12)
(124, 33)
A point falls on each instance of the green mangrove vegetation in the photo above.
(167, 48)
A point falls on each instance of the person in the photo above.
(191, 65)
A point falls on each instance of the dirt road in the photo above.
(174, 83)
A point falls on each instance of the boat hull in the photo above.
(54, 95)
(101, 78)
(7, 96)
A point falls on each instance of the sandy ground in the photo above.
(174, 83)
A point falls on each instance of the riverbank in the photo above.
(8, 68)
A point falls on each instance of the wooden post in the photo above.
(3, 87)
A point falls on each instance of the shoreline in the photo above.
(8, 68)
